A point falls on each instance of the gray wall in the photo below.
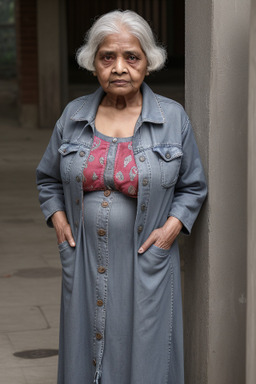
(251, 280)
(215, 257)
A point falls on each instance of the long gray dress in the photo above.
(108, 235)
(107, 263)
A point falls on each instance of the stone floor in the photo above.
(30, 272)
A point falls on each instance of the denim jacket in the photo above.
(171, 177)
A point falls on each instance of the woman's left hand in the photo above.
(163, 237)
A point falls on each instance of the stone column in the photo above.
(52, 60)
(251, 205)
(217, 35)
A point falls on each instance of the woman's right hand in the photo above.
(62, 228)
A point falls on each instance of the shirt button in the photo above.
(107, 192)
(142, 158)
(114, 140)
(145, 182)
(101, 232)
(77, 201)
(64, 150)
(94, 362)
(78, 179)
(99, 303)
(104, 204)
(101, 269)
(140, 229)
(98, 336)
(143, 207)
(167, 155)
(82, 153)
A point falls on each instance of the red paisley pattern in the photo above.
(125, 169)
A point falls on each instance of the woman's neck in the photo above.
(122, 102)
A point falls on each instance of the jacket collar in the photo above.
(151, 109)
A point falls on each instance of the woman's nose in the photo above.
(120, 66)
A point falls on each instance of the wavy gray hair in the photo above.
(114, 22)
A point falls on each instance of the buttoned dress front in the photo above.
(121, 312)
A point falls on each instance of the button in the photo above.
(64, 150)
(101, 269)
(143, 207)
(167, 155)
(114, 140)
(77, 201)
(104, 204)
(78, 179)
(101, 232)
(142, 158)
(107, 192)
(140, 229)
(145, 182)
(82, 153)
(94, 362)
(99, 303)
(98, 336)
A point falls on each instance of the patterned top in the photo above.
(111, 165)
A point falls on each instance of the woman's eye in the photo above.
(107, 58)
(132, 58)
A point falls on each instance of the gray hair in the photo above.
(113, 22)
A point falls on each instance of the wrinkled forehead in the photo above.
(120, 42)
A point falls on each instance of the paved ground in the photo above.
(30, 274)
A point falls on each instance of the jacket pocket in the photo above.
(67, 258)
(68, 152)
(169, 161)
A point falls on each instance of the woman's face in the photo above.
(121, 64)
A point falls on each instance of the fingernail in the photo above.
(141, 250)
(73, 244)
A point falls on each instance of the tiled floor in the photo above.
(30, 275)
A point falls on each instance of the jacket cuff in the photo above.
(183, 218)
(50, 207)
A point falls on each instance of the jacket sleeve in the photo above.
(190, 189)
(49, 184)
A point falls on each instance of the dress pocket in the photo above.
(154, 263)
(169, 161)
(67, 258)
(159, 251)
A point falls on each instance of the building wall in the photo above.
(251, 209)
(217, 35)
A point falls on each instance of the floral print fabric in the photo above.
(125, 172)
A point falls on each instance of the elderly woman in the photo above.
(120, 178)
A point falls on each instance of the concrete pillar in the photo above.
(251, 223)
(217, 34)
(52, 59)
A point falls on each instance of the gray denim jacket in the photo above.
(171, 177)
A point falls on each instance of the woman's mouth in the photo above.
(119, 82)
